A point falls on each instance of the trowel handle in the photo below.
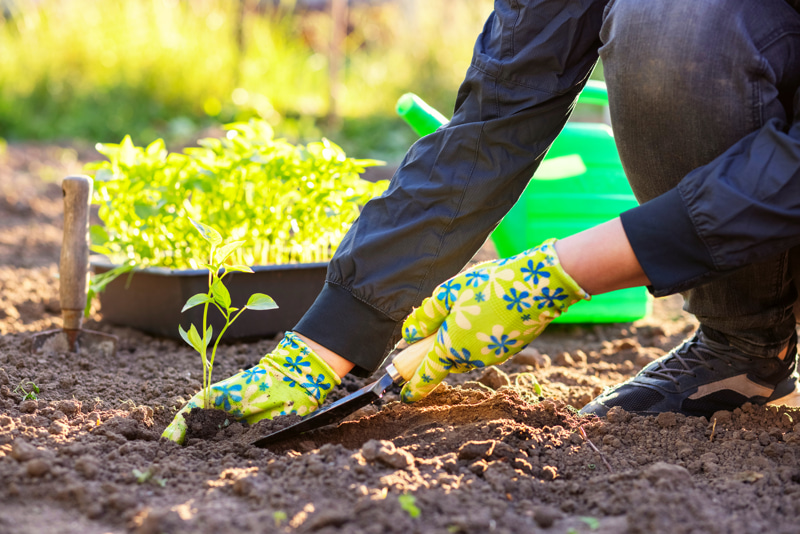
(74, 266)
(409, 359)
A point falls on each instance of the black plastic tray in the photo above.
(151, 299)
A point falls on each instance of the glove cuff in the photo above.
(297, 362)
(546, 252)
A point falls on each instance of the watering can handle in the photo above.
(425, 119)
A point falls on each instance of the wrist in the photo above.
(339, 365)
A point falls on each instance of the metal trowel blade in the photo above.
(331, 414)
(77, 341)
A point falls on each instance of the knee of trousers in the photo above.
(667, 52)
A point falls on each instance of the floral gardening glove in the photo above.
(291, 379)
(487, 314)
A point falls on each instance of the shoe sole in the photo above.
(792, 400)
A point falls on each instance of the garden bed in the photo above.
(476, 455)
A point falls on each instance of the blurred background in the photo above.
(85, 71)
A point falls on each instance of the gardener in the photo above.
(701, 98)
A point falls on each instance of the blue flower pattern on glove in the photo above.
(534, 273)
(411, 335)
(296, 365)
(517, 299)
(449, 292)
(228, 395)
(501, 345)
(549, 299)
(464, 361)
(476, 278)
(254, 374)
(316, 386)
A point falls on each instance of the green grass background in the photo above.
(92, 71)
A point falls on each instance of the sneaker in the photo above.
(700, 377)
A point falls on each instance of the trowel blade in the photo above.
(87, 341)
(331, 414)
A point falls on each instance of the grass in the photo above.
(95, 71)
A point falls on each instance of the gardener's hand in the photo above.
(292, 379)
(487, 314)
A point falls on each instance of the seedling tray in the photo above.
(151, 299)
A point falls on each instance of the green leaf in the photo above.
(127, 152)
(407, 503)
(239, 268)
(192, 338)
(145, 211)
(208, 233)
(226, 250)
(196, 300)
(209, 335)
(141, 476)
(221, 294)
(185, 336)
(592, 522)
(98, 235)
(260, 301)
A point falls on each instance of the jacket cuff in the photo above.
(349, 327)
(667, 245)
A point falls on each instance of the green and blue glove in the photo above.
(291, 379)
(486, 314)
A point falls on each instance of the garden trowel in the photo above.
(73, 278)
(398, 372)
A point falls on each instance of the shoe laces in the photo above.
(698, 351)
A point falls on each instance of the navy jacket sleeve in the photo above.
(741, 208)
(454, 186)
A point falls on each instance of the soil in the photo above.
(483, 453)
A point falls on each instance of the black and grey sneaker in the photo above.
(700, 377)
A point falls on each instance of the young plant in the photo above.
(408, 503)
(28, 389)
(145, 476)
(292, 203)
(220, 298)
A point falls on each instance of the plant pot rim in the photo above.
(102, 261)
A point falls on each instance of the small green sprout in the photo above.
(592, 522)
(142, 476)
(279, 516)
(219, 296)
(28, 389)
(145, 476)
(407, 503)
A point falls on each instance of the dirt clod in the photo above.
(387, 453)
(28, 406)
(37, 467)
(476, 449)
(494, 378)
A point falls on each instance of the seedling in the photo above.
(407, 503)
(220, 298)
(279, 516)
(28, 389)
(292, 203)
(144, 476)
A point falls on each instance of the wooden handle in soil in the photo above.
(74, 266)
(409, 359)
